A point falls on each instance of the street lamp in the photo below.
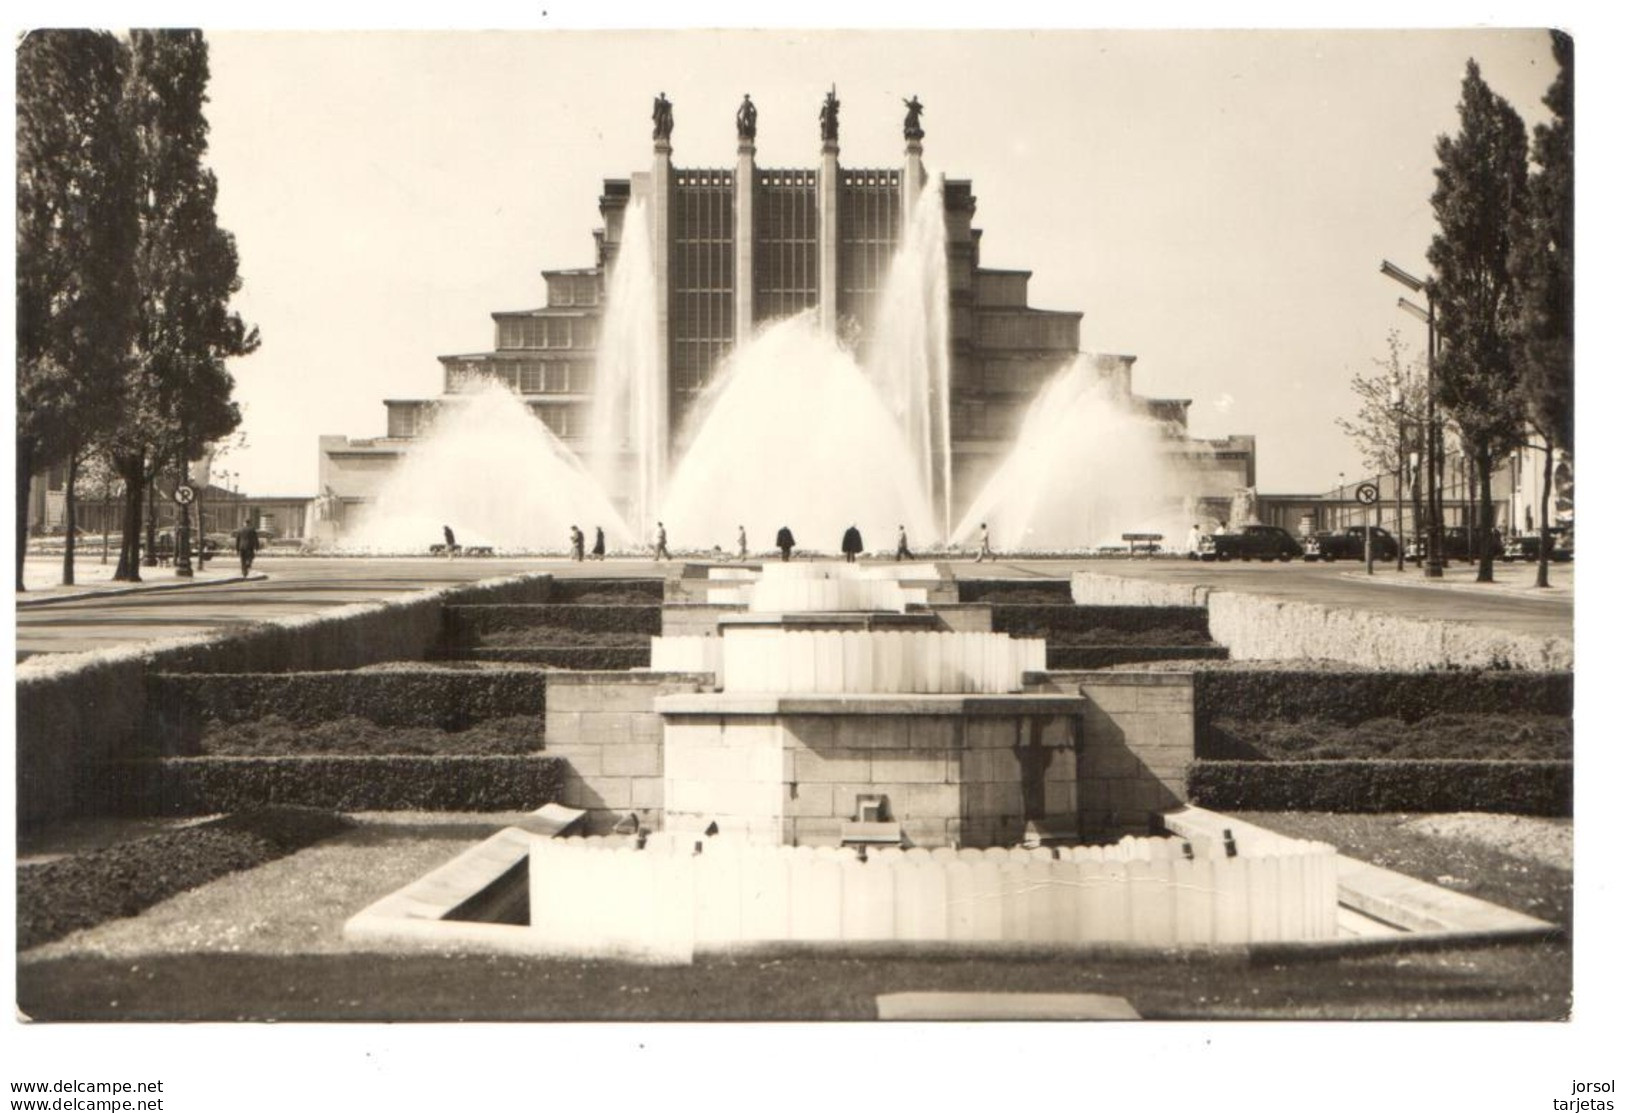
(1433, 569)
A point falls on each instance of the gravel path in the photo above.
(1547, 841)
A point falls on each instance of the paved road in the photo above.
(301, 585)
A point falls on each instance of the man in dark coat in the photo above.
(851, 543)
(598, 543)
(247, 541)
(785, 541)
(903, 552)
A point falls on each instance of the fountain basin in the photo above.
(677, 894)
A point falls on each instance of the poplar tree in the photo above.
(76, 236)
(1479, 203)
(1546, 274)
(178, 395)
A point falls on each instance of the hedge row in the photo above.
(274, 736)
(607, 590)
(84, 890)
(207, 785)
(468, 625)
(1519, 787)
(1352, 697)
(1477, 737)
(181, 707)
(1108, 656)
(1068, 621)
(1015, 591)
(578, 657)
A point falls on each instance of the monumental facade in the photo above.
(736, 246)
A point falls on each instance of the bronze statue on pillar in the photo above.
(829, 117)
(745, 120)
(662, 118)
(911, 122)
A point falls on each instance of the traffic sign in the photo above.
(1366, 493)
(184, 494)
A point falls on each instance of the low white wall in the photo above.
(1258, 628)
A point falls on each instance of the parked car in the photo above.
(1559, 547)
(1262, 542)
(1459, 544)
(1349, 544)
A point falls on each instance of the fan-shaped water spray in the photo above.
(490, 470)
(1086, 467)
(625, 445)
(908, 358)
(792, 432)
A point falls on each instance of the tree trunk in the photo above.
(129, 556)
(1486, 518)
(151, 559)
(70, 515)
(22, 482)
(1542, 579)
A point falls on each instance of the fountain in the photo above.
(465, 473)
(1086, 467)
(624, 432)
(793, 431)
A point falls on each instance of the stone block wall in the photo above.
(603, 724)
(1138, 742)
(694, 619)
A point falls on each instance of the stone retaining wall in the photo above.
(604, 725)
(1254, 627)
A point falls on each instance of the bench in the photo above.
(1146, 543)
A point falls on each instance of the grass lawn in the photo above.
(266, 944)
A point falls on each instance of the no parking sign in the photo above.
(1366, 494)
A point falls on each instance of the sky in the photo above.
(1215, 203)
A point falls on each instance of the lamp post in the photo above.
(1433, 569)
(1396, 402)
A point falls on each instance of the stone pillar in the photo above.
(744, 242)
(913, 178)
(829, 235)
(660, 230)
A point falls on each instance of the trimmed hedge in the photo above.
(1518, 787)
(1015, 591)
(607, 590)
(1070, 624)
(55, 898)
(181, 707)
(1107, 656)
(274, 736)
(582, 658)
(207, 785)
(1352, 697)
(469, 625)
(1486, 737)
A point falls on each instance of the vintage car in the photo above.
(1249, 542)
(1559, 547)
(1460, 543)
(1349, 544)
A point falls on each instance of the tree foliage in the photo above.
(1480, 202)
(1546, 262)
(1393, 402)
(124, 275)
(178, 394)
(76, 236)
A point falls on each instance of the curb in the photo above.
(24, 604)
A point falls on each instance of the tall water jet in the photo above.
(908, 358)
(623, 438)
(792, 432)
(1087, 466)
(494, 473)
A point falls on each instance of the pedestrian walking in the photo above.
(451, 542)
(598, 543)
(851, 543)
(902, 544)
(577, 540)
(1193, 542)
(247, 541)
(985, 552)
(660, 542)
(785, 542)
(744, 549)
